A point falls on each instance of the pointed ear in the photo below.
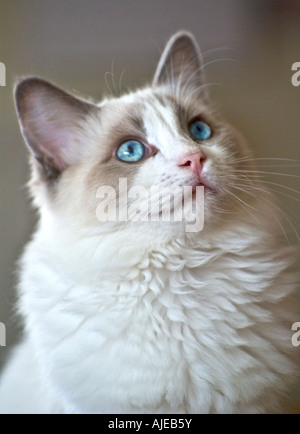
(51, 123)
(180, 66)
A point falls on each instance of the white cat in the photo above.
(143, 316)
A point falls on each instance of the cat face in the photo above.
(166, 136)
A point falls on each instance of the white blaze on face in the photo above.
(163, 130)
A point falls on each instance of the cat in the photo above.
(144, 316)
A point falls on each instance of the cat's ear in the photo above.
(51, 123)
(180, 66)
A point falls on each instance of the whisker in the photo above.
(213, 50)
(277, 165)
(281, 186)
(279, 210)
(278, 220)
(113, 77)
(222, 59)
(120, 81)
(106, 75)
(246, 159)
(246, 206)
(262, 172)
(274, 192)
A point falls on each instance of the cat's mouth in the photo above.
(208, 187)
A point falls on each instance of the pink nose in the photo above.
(193, 161)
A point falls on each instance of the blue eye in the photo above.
(131, 151)
(200, 130)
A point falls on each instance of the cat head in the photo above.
(166, 135)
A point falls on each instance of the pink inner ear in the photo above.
(51, 122)
(56, 145)
(52, 138)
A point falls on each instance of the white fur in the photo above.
(143, 317)
(186, 326)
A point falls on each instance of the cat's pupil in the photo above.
(131, 151)
(199, 130)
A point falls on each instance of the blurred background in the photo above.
(249, 47)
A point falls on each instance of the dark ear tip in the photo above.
(181, 56)
(29, 83)
(183, 36)
(22, 87)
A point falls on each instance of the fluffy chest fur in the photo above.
(188, 327)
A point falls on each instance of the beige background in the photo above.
(249, 47)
